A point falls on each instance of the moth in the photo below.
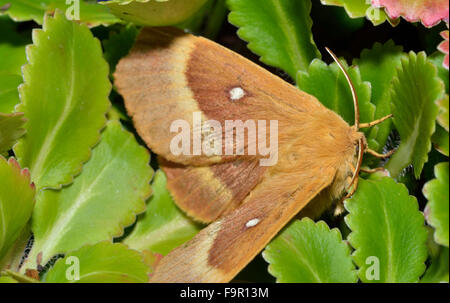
(168, 76)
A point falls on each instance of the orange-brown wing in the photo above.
(169, 75)
(208, 192)
(226, 246)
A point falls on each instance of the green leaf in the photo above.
(16, 58)
(440, 140)
(12, 54)
(442, 118)
(12, 46)
(13, 258)
(7, 279)
(119, 44)
(310, 252)
(437, 209)
(197, 22)
(378, 66)
(65, 100)
(337, 95)
(117, 110)
(12, 49)
(156, 12)
(360, 8)
(100, 202)
(11, 129)
(9, 94)
(19, 278)
(278, 31)
(416, 88)
(388, 232)
(90, 12)
(16, 202)
(438, 272)
(437, 58)
(217, 15)
(101, 263)
(163, 226)
(151, 259)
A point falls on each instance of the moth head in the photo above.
(358, 138)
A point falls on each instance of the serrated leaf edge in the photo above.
(321, 225)
(103, 243)
(49, 12)
(349, 216)
(407, 62)
(134, 213)
(426, 188)
(29, 53)
(253, 46)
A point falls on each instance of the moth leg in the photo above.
(355, 184)
(339, 209)
(354, 188)
(378, 155)
(340, 205)
(373, 123)
(351, 186)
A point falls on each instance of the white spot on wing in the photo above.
(252, 223)
(236, 93)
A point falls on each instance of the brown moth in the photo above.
(168, 76)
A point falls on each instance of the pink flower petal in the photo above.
(429, 12)
(444, 34)
(443, 47)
